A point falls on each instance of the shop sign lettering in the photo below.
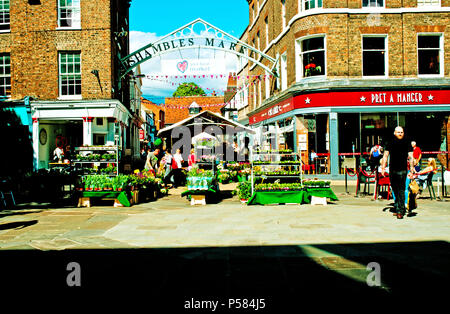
(153, 49)
(273, 111)
(401, 97)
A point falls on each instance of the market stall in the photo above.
(282, 173)
(202, 178)
(124, 190)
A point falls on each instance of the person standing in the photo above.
(168, 174)
(177, 171)
(417, 155)
(191, 159)
(397, 149)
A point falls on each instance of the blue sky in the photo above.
(152, 19)
(163, 17)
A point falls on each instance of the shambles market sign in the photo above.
(197, 35)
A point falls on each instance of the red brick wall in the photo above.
(34, 42)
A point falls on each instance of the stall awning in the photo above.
(76, 110)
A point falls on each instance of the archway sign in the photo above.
(197, 35)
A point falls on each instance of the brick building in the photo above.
(154, 119)
(349, 72)
(179, 108)
(61, 58)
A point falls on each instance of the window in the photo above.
(267, 84)
(99, 139)
(4, 15)
(266, 20)
(284, 71)
(312, 57)
(258, 42)
(259, 92)
(311, 4)
(5, 75)
(254, 95)
(253, 13)
(70, 74)
(374, 56)
(430, 52)
(69, 13)
(99, 121)
(283, 13)
(373, 3)
(428, 3)
(194, 108)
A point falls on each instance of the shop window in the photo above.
(373, 3)
(312, 57)
(69, 14)
(428, 3)
(429, 50)
(374, 57)
(258, 42)
(5, 75)
(266, 21)
(4, 15)
(311, 4)
(99, 139)
(283, 73)
(267, 85)
(70, 74)
(283, 13)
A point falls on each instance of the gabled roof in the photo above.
(211, 118)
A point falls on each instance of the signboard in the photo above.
(141, 135)
(355, 99)
(195, 66)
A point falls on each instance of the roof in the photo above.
(208, 118)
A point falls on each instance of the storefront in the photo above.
(76, 123)
(339, 125)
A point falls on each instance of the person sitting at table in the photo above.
(421, 177)
(58, 154)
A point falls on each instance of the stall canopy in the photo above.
(202, 121)
(204, 136)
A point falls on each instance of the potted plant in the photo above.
(244, 191)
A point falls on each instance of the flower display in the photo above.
(312, 68)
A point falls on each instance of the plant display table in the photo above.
(120, 197)
(319, 192)
(201, 182)
(277, 197)
(302, 196)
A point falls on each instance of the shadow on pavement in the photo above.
(17, 225)
(296, 278)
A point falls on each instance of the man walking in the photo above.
(398, 149)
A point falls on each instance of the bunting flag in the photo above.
(186, 107)
(212, 76)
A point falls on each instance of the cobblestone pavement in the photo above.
(230, 249)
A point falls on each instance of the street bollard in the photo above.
(346, 187)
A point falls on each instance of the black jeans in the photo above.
(398, 179)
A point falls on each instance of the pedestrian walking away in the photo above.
(397, 150)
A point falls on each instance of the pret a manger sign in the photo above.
(399, 97)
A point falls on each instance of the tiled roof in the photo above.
(176, 108)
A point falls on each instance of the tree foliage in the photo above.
(189, 89)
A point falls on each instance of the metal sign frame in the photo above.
(187, 37)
